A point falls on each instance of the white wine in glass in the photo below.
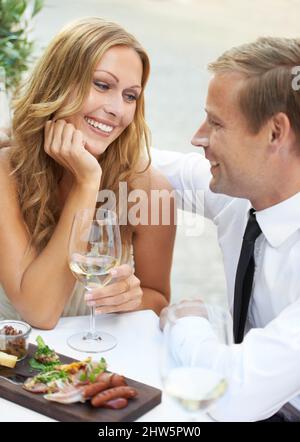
(92, 271)
(195, 388)
(94, 250)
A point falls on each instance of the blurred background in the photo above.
(181, 37)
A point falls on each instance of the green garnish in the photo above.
(92, 377)
(36, 365)
(52, 375)
(41, 343)
(95, 370)
(83, 377)
(43, 349)
(44, 358)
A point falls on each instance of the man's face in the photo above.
(239, 160)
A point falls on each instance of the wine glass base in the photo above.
(88, 343)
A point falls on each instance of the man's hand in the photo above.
(186, 307)
(163, 317)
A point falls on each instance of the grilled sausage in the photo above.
(116, 404)
(116, 380)
(113, 393)
(104, 381)
(104, 376)
(92, 389)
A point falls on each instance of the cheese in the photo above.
(8, 360)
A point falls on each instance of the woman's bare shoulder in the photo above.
(7, 180)
(4, 154)
(5, 167)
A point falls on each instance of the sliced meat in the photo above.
(46, 359)
(35, 387)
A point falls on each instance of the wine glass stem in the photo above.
(92, 322)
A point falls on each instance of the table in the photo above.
(136, 356)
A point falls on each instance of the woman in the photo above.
(79, 128)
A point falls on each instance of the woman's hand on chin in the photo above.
(125, 294)
(65, 144)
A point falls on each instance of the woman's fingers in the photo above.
(116, 288)
(53, 138)
(120, 287)
(58, 137)
(49, 128)
(127, 307)
(65, 144)
(59, 141)
(121, 272)
(66, 139)
(123, 295)
(118, 299)
(78, 139)
(56, 143)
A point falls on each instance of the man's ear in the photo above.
(280, 128)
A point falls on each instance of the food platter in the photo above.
(147, 398)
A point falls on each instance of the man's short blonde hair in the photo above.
(267, 65)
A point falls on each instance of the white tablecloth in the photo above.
(136, 356)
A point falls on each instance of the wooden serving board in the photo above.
(148, 397)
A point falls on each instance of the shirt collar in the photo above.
(279, 222)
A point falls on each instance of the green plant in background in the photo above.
(16, 47)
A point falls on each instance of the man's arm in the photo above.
(189, 174)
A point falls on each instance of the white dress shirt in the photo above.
(264, 370)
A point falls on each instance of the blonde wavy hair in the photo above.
(67, 64)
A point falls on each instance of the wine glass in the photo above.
(94, 249)
(193, 382)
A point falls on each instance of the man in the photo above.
(251, 139)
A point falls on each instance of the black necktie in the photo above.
(244, 277)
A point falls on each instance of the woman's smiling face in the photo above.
(111, 102)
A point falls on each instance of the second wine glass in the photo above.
(94, 250)
(194, 385)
